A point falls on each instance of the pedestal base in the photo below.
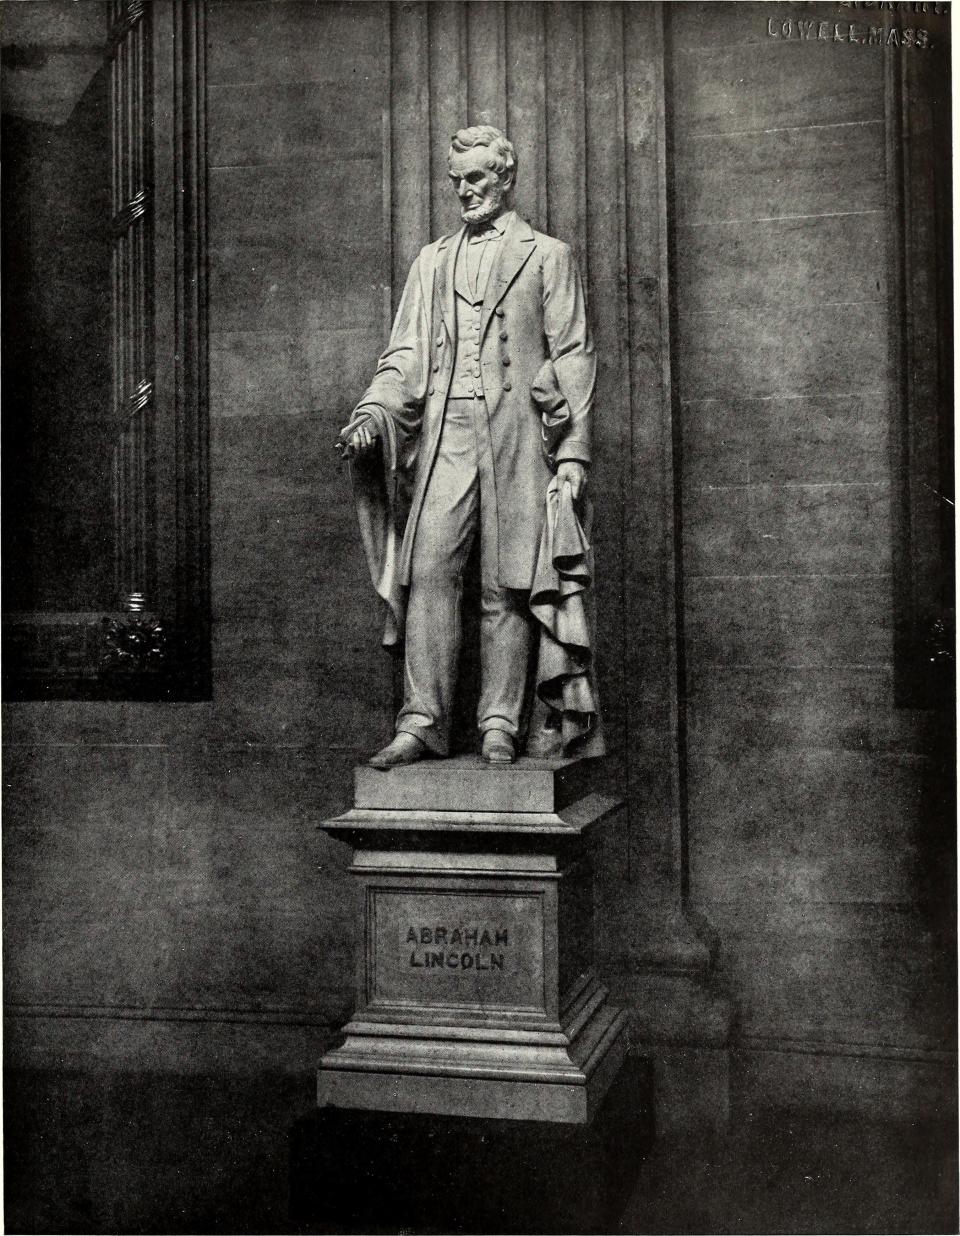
(420, 1070)
(475, 991)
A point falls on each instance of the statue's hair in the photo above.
(502, 157)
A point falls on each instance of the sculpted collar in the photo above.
(483, 232)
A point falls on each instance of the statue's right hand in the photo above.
(361, 439)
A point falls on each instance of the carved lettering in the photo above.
(801, 30)
(457, 948)
(457, 961)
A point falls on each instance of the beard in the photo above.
(484, 211)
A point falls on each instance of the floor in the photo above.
(793, 1172)
(151, 1153)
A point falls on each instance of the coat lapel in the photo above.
(446, 270)
(514, 250)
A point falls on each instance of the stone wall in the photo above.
(813, 796)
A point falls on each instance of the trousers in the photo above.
(460, 502)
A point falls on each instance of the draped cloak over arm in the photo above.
(394, 402)
(566, 713)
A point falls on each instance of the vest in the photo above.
(467, 382)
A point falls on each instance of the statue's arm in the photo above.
(399, 385)
(571, 349)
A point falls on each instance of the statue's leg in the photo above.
(506, 639)
(445, 532)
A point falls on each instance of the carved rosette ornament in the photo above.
(136, 644)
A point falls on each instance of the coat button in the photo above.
(506, 360)
(430, 391)
(503, 336)
(498, 311)
(439, 341)
(506, 386)
(436, 368)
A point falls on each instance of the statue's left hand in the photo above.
(576, 473)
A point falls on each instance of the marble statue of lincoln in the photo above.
(485, 390)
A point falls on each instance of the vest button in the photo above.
(506, 360)
(507, 386)
(430, 391)
(503, 336)
(436, 368)
(439, 341)
(498, 311)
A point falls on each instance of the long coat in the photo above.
(533, 311)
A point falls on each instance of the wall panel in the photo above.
(527, 104)
(811, 795)
(173, 904)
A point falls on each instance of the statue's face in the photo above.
(480, 189)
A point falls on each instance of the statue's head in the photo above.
(483, 171)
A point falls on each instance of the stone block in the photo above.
(475, 992)
(467, 783)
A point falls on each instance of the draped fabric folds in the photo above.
(561, 600)
(376, 484)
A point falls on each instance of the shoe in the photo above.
(498, 747)
(405, 749)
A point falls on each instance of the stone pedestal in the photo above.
(475, 989)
